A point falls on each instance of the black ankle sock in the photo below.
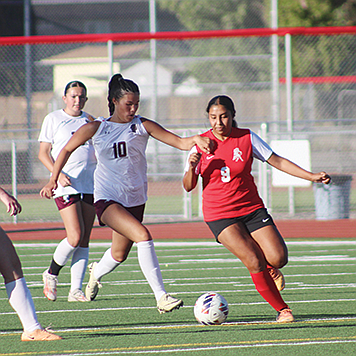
(54, 268)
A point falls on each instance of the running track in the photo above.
(345, 228)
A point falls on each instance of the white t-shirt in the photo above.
(121, 172)
(57, 128)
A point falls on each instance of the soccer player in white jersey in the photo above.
(74, 194)
(16, 288)
(121, 183)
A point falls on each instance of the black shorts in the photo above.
(101, 205)
(68, 200)
(253, 221)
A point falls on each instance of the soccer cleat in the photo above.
(285, 316)
(77, 296)
(39, 335)
(50, 285)
(277, 277)
(93, 285)
(168, 303)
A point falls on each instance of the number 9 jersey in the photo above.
(121, 171)
(229, 190)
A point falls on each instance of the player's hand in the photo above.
(321, 177)
(205, 143)
(64, 180)
(12, 205)
(48, 190)
(194, 159)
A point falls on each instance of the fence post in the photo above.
(14, 174)
(110, 59)
(187, 197)
(262, 172)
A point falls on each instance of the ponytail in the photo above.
(118, 87)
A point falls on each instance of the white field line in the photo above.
(185, 347)
(205, 346)
(197, 243)
(191, 325)
(100, 310)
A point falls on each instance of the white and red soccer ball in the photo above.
(211, 309)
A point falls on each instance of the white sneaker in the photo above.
(167, 303)
(285, 316)
(93, 285)
(39, 335)
(50, 285)
(77, 296)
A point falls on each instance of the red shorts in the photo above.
(68, 200)
(101, 205)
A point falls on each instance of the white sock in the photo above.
(148, 261)
(106, 265)
(63, 252)
(78, 267)
(21, 301)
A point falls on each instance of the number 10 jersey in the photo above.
(121, 171)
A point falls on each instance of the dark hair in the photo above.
(226, 102)
(74, 84)
(118, 87)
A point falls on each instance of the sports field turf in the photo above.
(320, 288)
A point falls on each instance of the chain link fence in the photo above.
(177, 77)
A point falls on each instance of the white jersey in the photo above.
(57, 128)
(121, 172)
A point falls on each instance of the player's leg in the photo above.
(81, 254)
(121, 247)
(129, 229)
(10, 265)
(272, 244)
(275, 251)
(74, 227)
(19, 295)
(239, 241)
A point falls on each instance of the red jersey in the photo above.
(229, 189)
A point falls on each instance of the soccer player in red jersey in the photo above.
(232, 207)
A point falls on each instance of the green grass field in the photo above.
(320, 288)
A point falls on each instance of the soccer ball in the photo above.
(211, 309)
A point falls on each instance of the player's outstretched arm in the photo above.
(291, 168)
(190, 178)
(12, 205)
(183, 143)
(82, 135)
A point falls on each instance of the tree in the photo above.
(314, 13)
(200, 15)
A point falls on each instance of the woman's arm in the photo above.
(46, 158)
(183, 143)
(190, 178)
(291, 168)
(12, 205)
(82, 135)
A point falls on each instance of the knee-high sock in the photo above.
(106, 265)
(78, 267)
(61, 256)
(268, 290)
(21, 301)
(148, 261)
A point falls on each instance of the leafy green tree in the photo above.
(314, 13)
(200, 15)
(313, 56)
